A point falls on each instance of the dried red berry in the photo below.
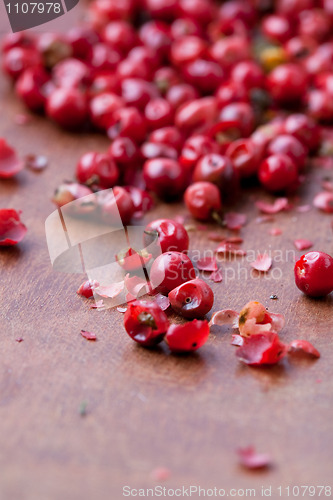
(261, 349)
(203, 200)
(145, 322)
(192, 299)
(170, 270)
(314, 274)
(188, 337)
(172, 235)
(12, 230)
(86, 289)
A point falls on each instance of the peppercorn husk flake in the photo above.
(303, 244)
(235, 221)
(262, 263)
(324, 202)
(237, 340)
(10, 163)
(12, 230)
(110, 291)
(225, 317)
(216, 276)
(250, 459)
(279, 205)
(275, 231)
(207, 264)
(262, 349)
(36, 162)
(88, 335)
(303, 347)
(162, 301)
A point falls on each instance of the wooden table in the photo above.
(147, 408)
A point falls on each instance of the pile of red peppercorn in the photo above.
(196, 96)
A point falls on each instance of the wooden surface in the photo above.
(148, 408)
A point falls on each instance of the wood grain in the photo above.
(147, 408)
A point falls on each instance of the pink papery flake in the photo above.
(160, 474)
(216, 276)
(99, 304)
(262, 263)
(207, 264)
(20, 339)
(22, 119)
(302, 209)
(121, 309)
(250, 459)
(324, 201)
(12, 230)
(36, 162)
(86, 289)
(237, 340)
(230, 249)
(134, 285)
(225, 317)
(235, 221)
(162, 301)
(275, 231)
(88, 335)
(110, 291)
(10, 164)
(268, 208)
(263, 219)
(215, 236)
(301, 347)
(262, 349)
(302, 244)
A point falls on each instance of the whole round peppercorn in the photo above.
(195, 113)
(314, 274)
(18, 59)
(180, 94)
(165, 177)
(124, 151)
(116, 203)
(67, 107)
(278, 172)
(30, 87)
(170, 270)
(320, 105)
(98, 169)
(248, 75)
(194, 148)
(170, 136)
(287, 83)
(188, 337)
(230, 92)
(128, 122)
(203, 200)
(304, 128)
(242, 114)
(172, 235)
(245, 156)
(158, 113)
(192, 299)
(204, 75)
(145, 322)
(102, 108)
(276, 28)
(290, 146)
(220, 171)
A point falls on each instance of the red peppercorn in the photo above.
(320, 105)
(170, 136)
(68, 192)
(180, 94)
(204, 75)
(192, 299)
(315, 24)
(203, 200)
(82, 39)
(98, 169)
(314, 274)
(30, 87)
(219, 170)
(127, 122)
(67, 107)
(150, 150)
(241, 114)
(120, 35)
(172, 235)
(287, 83)
(87, 288)
(102, 108)
(165, 78)
(137, 92)
(195, 113)
(188, 337)
(158, 113)
(118, 202)
(248, 75)
(245, 156)
(183, 26)
(145, 322)
(231, 92)
(104, 58)
(230, 50)
(53, 48)
(71, 73)
(202, 11)
(290, 146)
(165, 177)
(156, 35)
(277, 28)
(142, 200)
(20, 39)
(194, 148)
(170, 270)
(124, 151)
(304, 128)
(18, 59)
(278, 173)
(130, 260)
(162, 9)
